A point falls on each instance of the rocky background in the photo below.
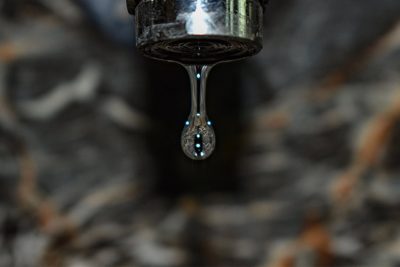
(307, 167)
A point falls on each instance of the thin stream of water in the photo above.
(198, 137)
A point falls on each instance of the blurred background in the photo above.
(307, 167)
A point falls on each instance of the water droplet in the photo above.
(198, 137)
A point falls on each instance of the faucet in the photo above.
(198, 32)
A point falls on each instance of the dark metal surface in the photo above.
(198, 31)
(132, 4)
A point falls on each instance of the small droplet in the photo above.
(198, 139)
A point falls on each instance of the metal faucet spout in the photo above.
(198, 31)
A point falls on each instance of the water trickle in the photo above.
(198, 137)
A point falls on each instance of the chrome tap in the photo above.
(198, 32)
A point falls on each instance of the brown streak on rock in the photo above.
(316, 236)
(49, 221)
(7, 52)
(377, 136)
(369, 153)
(339, 76)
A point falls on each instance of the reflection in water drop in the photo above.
(198, 137)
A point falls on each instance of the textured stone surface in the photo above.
(306, 169)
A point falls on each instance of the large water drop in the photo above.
(198, 137)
